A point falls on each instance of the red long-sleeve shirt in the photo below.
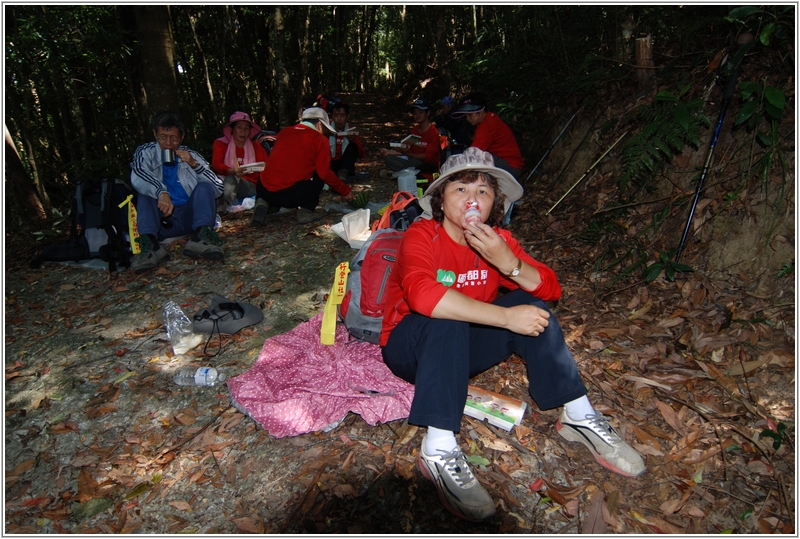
(494, 136)
(429, 260)
(218, 159)
(299, 151)
(427, 144)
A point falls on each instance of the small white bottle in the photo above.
(473, 214)
(204, 376)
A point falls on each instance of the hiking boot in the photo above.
(260, 212)
(343, 174)
(150, 256)
(385, 173)
(458, 489)
(208, 245)
(305, 216)
(603, 441)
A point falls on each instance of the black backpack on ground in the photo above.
(99, 226)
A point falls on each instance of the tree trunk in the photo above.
(157, 54)
(303, 87)
(20, 191)
(126, 19)
(281, 75)
(203, 58)
(644, 61)
(370, 15)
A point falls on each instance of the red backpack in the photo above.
(362, 306)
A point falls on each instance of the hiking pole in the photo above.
(550, 148)
(588, 170)
(743, 43)
(507, 218)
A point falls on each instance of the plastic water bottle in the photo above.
(473, 214)
(204, 376)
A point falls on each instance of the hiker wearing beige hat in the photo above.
(446, 322)
(299, 166)
(233, 150)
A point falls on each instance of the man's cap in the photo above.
(474, 159)
(240, 116)
(447, 100)
(471, 103)
(421, 103)
(317, 113)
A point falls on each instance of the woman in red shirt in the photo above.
(425, 154)
(444, 322)
(234, 149)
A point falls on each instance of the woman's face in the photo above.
(458, 196)
(240, 131)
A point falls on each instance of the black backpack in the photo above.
(99, 226)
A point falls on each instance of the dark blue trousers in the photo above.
(440, 356)
(199, 210)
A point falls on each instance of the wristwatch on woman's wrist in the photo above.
(517, 268)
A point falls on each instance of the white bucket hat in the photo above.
(475, 159)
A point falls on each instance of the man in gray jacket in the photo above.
(177, 191)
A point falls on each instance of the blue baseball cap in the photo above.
(421, 103)
(447, 100)
(471, 103)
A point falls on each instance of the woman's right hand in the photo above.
(527, 320)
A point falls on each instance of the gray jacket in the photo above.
(146, 171)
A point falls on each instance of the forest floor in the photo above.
(697, 374)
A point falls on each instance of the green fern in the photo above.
(670, 126)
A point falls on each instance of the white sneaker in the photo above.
(459, 491)
(605, 443)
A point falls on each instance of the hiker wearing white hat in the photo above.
(445, 322)
(298, 168)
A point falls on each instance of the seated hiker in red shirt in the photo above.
(424, 154)
(234, 149)
(345, 149)
(447, 319)
(298, 168)
(491, 134)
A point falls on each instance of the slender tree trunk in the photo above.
(281, 74)
(202, 55)
(303, 87)
(20, 191)
(157, 54)
(369, 15)
(126, 20)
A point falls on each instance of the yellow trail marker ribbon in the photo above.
(133, 228)
(328, 332)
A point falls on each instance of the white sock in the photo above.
(579, 408)
(438, 439)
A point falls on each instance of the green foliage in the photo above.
(671, 125)
(667, 265)
(787, 269)
(771, 21)
(777, 437)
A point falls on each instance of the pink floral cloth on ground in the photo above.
(299, 385)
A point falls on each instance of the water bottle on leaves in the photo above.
(204, 376)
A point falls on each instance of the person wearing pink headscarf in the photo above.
(232, 150)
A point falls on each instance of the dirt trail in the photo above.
(98, 439)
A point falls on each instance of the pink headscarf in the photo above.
(249, 153)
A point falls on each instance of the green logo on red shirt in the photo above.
(447, 278)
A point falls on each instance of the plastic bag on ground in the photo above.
(179, 329)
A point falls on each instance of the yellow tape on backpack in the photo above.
(133, 226)
(328, 332)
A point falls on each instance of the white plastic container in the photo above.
(407, 180)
